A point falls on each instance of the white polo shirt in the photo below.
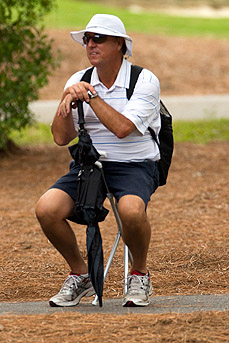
(143, 109)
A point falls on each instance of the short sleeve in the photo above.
(143, 108)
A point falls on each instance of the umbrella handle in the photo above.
(80, 113)
(98, 164)
(102, 154)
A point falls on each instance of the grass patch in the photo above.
(38, 133)
(200, 132)
(76, 14)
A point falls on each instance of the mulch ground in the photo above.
(188, 251)
(206, 327)
(189, 216)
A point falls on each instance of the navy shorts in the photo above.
(136, 178)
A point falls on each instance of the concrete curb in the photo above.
(181, 107)
(160, 304)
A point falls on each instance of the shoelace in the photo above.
(70, 282)
(136, 281)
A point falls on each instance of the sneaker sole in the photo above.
(131, 303)
(87, 293)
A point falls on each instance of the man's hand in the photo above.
(71, 95)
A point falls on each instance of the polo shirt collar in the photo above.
(123, 77)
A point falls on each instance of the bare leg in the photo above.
(136, 229)
(52, 210)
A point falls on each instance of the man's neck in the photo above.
(108, 74)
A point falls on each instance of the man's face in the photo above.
(104, 53)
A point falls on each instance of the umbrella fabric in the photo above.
(84, 152)
(88, 209)
(91, 193)
(95, 259)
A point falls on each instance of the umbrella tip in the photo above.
(100, 301)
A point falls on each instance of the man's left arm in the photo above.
(114, 121)
(139, 113)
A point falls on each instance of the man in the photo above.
(119, 127)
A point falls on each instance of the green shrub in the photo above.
(25, 61)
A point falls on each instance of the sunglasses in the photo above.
(97, 38)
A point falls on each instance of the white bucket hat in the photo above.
(105, 24)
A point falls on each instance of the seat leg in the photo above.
(126, 267)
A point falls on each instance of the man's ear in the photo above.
(120, 42)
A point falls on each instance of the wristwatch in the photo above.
(91, 95)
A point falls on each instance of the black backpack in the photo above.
(165, 143)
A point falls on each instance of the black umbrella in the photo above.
(88, 209)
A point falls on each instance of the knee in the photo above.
(131, 209)
(46, 210)
(43, 211)
(54, 206)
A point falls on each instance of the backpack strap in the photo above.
(135, 71)
(87, 75)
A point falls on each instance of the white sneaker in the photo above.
(139, 288)
(74, 288)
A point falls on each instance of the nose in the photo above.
(90, 42)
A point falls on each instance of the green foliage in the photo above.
(25, 61)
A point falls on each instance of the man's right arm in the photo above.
(63, 128)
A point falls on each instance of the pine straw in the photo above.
(73, 327)
(188, 252)
(189, 216)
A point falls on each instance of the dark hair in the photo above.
(124, 48)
